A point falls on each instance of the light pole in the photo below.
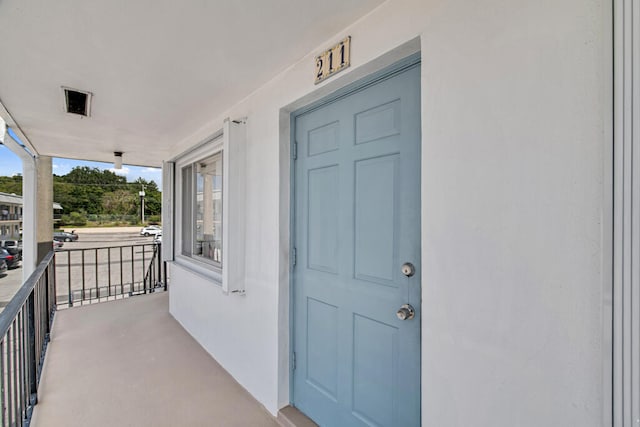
(141, 193)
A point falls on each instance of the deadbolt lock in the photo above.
(408, 269)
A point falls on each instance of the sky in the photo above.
(10, 165)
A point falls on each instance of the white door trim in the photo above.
(626, 212)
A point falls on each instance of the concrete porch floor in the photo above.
(130, 363)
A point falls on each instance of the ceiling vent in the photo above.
(77, 102)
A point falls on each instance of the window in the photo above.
(204, 213)
(202, 209)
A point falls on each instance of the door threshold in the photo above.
(290, 416)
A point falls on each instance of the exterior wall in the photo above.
(517, 298)
(517, 283)
(10, 216)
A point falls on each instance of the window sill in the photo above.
(201, 269)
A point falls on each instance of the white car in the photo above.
(157, 238)
(151, 230)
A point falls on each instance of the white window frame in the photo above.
(231, 140)
(199, 265)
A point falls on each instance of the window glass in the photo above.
(202, 209)
(208, 209)
(187, 215)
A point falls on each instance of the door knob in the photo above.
(406, 312)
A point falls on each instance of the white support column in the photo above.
(37, 204)
(29, 217)
(626, 351)
(29, 178)
(37, 217)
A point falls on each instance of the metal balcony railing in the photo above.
(156, 276)
(25, 324)
(85, 276)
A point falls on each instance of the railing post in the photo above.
(144, 276)
(121, 274)
(46, 294)
(164, 277)
(70, 297)
(159, 261)
(96, 271)
(131, 289)
(31, 328)
(3, 382)
(84, 291)
(109, 271)
(53, 304)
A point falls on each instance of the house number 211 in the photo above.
(332, 60)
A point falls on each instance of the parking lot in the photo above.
(10, 282)
(90, 239)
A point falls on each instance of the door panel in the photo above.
(323, 139)
(322, 347)
(376, 183)
(357, 220)
(378, 122)
(322, 223)
(375, 369)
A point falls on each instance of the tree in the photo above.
(85, 175)
(83, 188)
(152, 198)
(119, 202)
(77, 218)
(11, 184)
(93, 191)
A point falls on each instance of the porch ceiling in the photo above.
(158, 70)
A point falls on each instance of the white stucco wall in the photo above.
(516, 138)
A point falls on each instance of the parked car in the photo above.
(14, 247)
(57, 245)
(11, 260)
(151, 230)
(3, 267)
(63, 236)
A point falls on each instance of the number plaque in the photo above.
(334, 59)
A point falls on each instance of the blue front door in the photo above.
(357, 221)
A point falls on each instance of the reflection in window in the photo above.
(202, 209)
(208, 209)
